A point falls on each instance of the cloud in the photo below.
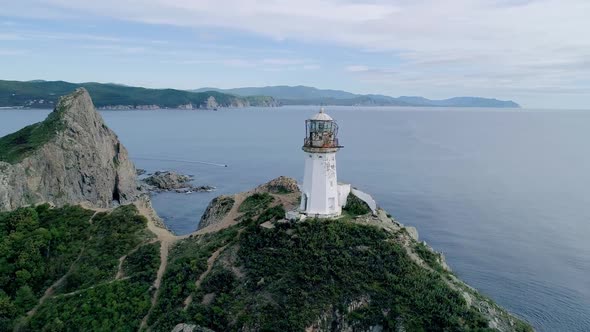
(488, 44)
(357, 68)
(10, 36)
(271, 65)
(9, 52)
(311, 67)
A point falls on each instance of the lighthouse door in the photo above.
(304, 202)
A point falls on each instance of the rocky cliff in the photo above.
(71, 157)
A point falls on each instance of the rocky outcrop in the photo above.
(227, 210)
(216, 210)
(72, 157)
(211, 103)
(280, 185)
(190, 328)
(168, 180)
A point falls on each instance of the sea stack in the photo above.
(71, 157)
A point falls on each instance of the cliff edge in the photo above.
(71, 157)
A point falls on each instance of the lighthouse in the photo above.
(321, 196)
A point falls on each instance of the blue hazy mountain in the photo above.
(304, 95)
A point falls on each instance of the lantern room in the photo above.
(321, 132)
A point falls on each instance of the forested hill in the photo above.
(44, 94)
(305, 95)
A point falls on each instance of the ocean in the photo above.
(504, 194)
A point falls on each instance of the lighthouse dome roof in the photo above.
(321, 116)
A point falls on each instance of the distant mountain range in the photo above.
(304, 95)
(44, 94)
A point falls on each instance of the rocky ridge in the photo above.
(72, 157)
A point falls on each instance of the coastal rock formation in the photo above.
(211, 103)
(168, 180)
(216, 210)
(280, 185)
(71, 157)
(227, 210)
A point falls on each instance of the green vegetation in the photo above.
(144, 262)
(111, 236)
(245, 277)
(17, 146)
(37, 246)
(116, 306)
(30, 94)
(286, 277)
(187, 261)
(40, 245)
(430, 258)
(35, 250)
(274, 213)
(255, 204)
(355, 206)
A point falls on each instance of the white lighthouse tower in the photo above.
(321, 196)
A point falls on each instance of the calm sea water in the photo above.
(503, 194)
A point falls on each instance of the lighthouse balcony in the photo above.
(326, 144)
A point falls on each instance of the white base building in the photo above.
(322, 195)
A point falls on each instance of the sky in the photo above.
(535, 52)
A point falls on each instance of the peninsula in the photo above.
(84, 250)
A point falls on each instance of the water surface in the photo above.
(502, 193)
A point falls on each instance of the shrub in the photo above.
(355, 206)
(255, 204)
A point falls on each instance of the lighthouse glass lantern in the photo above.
(320, 193)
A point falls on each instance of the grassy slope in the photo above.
(16, 93)
(18, 145)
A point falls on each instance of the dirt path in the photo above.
(91, 287)
(210, 261)
(167, 239)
